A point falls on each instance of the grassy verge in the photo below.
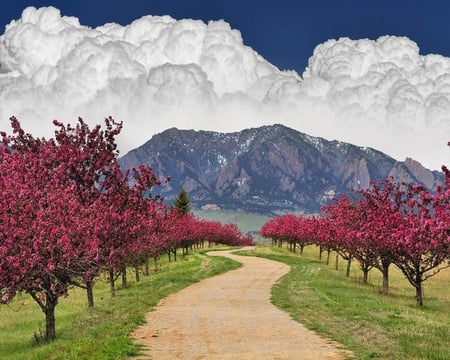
(102, 332)
(371, 325)
(343, 309)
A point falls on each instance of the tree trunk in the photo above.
(365, 276)
(336, 263)
(419, 294)
(302, 246)
(146, 268)
(51, 301)
(320, 252)
(112, 286)
(124, 277)
(328, 256)
(349, 263)
(90, 293)
(385, 272)
(137, 273)
(418, 285)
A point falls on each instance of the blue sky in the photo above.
(285, 32)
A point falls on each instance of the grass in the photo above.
(102, 332)
(357, 315)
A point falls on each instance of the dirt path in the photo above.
(230, 316)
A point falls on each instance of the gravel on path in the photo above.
(230, 316)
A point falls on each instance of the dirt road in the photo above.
(230, 316)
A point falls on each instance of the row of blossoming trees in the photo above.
(68, 213)
(387, 224)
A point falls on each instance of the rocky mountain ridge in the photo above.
(269, 169)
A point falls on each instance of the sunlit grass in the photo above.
(357, 315)
(102, 332)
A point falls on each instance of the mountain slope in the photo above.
(267, 169)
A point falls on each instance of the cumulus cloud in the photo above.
(158, 72)
(389, 93)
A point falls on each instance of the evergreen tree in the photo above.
(182, 202)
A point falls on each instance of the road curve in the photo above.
(230, 316)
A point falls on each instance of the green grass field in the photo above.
(367, 323)
(103, 332)
(357, 315)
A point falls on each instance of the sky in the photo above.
(378, 86)
(284, 32)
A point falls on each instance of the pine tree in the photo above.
(182, 202)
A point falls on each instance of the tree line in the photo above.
(389, 223)
(69, 213)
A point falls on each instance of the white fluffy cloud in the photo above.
(158, 72)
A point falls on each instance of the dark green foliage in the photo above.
(182, 202)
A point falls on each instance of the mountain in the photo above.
(267, 170)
